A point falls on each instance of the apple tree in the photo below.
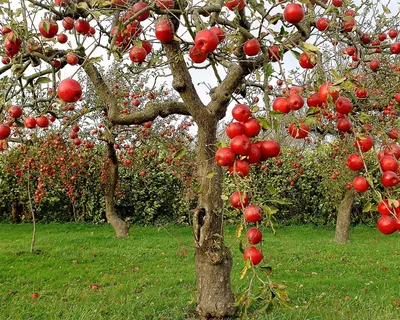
(232, 46)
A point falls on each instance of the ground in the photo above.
(150, 275)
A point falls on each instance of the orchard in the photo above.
(204, 113)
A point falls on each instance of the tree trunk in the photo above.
(215, 299)
(119, 226)
(344, 217)
(16, 211)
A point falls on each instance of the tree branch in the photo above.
(151, 111)
(182, 81)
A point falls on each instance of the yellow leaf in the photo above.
(310, 47)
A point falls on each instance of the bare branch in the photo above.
(151, 111)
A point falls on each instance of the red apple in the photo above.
(251, 47)
(355, 162)
(365, 143)
(164, 30)
(241, 112)
(343, 124)
(251, 127)
(240, 167)
(206, 41)
(196, 55)
(306, 61)
(343, 105)
(386, 225)
(388, 163)
(137, 54)
(389, 179)
(68, 23)
(225, 157)
(62, 38)
(69, 90)
(234, 129)
(48, 28)
(42, 122)
(30, 122)
(325, 90)
(295, 102)
(293, 13)
(241, 145)
(269, 149)
(253, 254)
(239, 200)
(140, 6)
(15, 112)
(219, 32)
(255, 153)
(322, 24)
(360, 184)
(235, 4)
(5, 131)
(82, 26)
(281, 104)
(254, 236)
(252, 213)
(273, 53)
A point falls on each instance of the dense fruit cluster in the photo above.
(242, 153)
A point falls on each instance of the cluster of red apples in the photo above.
(241, 154)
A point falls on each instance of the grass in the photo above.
(151, 275)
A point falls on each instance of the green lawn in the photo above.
(150, 275)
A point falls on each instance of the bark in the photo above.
(344, 217)
(16, 211)
(119, 226)
(215, 299)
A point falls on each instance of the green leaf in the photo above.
(222, 144)
(19, 123)
(95, 59)
(296, 54)
(224, 197)
(268, 70)
(270, 210)
(335, 74)
(179, 154)
(264, 123)
(137, 43)
(310, 121)
(339, 81)
(82, 5)
(276, 125)
(255, 109)
(96, 14)
(313, 110)
(241, 247)
(42, 80)
(276, 114)
(271, 189)
(46, 25)
(386, 9)
(211, 174)
(364, 118)
(367, 207)
(370, 182)
(280, 201)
